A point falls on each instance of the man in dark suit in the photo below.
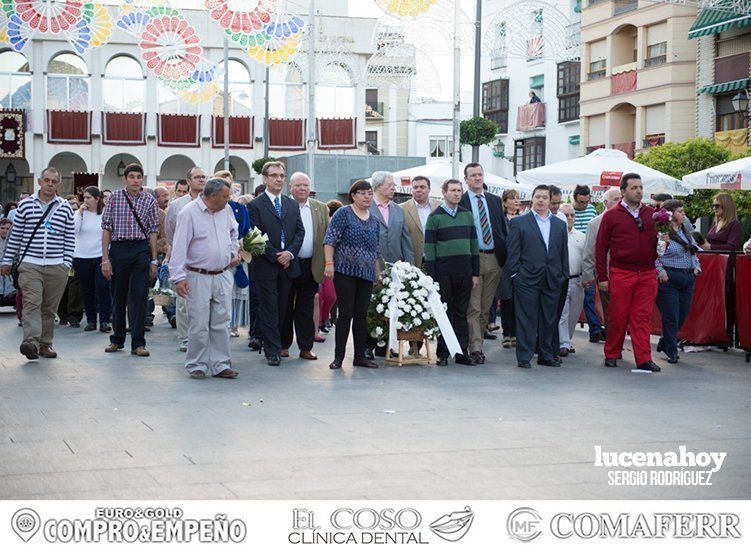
(538, 263)
(277, 216)
(487, 213)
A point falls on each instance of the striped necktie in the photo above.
(487, 236)
(278, 207)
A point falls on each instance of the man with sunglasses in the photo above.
(627, 232)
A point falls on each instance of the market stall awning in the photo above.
(724, 87)
(717, 19)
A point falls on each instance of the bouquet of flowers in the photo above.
(161, 296)
(410, 299)
(255, 242)
(662, 218)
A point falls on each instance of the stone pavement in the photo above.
(96, 426)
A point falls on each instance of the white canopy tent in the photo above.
(601, 169)
(735, 175)
(438, 172)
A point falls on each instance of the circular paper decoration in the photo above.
(134, 22)
(46, 16)
(275, 51)
(19, 33)
(206, 72)
(404, 8)
(198, 93)
(79, 36)
(170, 47)
(100, 24)
(284, 25)
(253, 16)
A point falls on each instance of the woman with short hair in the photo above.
(352, 261)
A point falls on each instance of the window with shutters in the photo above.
(657, 54)
(495, 102)
(568, 91)
(529, 153)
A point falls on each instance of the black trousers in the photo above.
(508, 317)
(95, 288)
(536, 316)
(130, 261)
(353, 297)
(455, 292)
(300, 305)
(273, 294)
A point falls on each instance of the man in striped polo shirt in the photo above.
(452, 259)
(585, 212)
(45, 261)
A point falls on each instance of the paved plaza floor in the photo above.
(93, 426)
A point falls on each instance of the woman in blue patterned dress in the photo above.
(351, 251)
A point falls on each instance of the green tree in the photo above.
(258, 164)
(477, 131)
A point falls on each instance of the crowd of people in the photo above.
(99, 254)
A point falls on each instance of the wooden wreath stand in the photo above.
(410, 337)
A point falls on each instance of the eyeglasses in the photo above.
(716, 206)
(639, 224)
(364, 193)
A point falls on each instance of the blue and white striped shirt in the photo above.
(676, 256)
(55, 239)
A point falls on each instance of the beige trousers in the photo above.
(480, 300)
(209, 306)
(42, 288)
(181, 320)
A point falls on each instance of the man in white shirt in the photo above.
(416, 212)
(556, 199)
(301, 301)
(575, 295)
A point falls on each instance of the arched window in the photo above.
(67, 83)
(286, 91)
(170, 102)
(240, 89)
(123, 85)
(15, 81)
(335, 92)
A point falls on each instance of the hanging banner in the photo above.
(12, 134)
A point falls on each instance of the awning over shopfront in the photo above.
(717, 19)
(725, 86)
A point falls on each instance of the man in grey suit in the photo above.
(395, 241)
(538, 263)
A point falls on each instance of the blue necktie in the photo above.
(278, 207)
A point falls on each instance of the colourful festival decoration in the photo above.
(170, 46)
(406, 8)
(49, 16)
(100, 24)
(240, 25)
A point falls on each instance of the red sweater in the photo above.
(629, 248)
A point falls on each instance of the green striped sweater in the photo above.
(451, 244)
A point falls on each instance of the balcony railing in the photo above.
(374, 109)
(658, 60)
(624, 6)
(530, 116)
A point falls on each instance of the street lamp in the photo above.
(10, 174)
(740, 101)
(121, 168)
(499, 149)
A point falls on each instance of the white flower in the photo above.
(398, 325)
(386, 281)
(379, 308)
(378, 331)
(417, 322)
(381, 343)
(384, 299)
(418, 308)
(389, 291)
(425, 316)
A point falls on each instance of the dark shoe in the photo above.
(369, 353)
(113, 348)
(335, 364)
(489, 336)
(563, 351)
(660, 345)
(29, 350)
(552, 363)
(648, 366)
(465, 360)
(273, 360)
(149, 322)
(308, 355)
(523, 364)
(284, 353)
(595, 338)
(90, 327)
(140, 351)
(571, 351)
(506, 342)
(478, 357)
(75, 324)
(442, 361)
(323, 329)
(198, 374)
(46, 351)
(173, 322)
(364, 363)
(611, 363)
(227, 373)
(254, 343)
(673, 359)
(105, 327)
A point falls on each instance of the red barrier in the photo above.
(743, 300)
(707, 321)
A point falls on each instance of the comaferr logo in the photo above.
(610, 179)
(725, 181)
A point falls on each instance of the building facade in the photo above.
(638, 79)
(89, 115)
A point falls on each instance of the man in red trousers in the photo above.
(628, 233)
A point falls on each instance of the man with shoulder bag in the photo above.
(38, 256)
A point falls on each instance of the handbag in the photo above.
(17, 261)
(135, 214)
